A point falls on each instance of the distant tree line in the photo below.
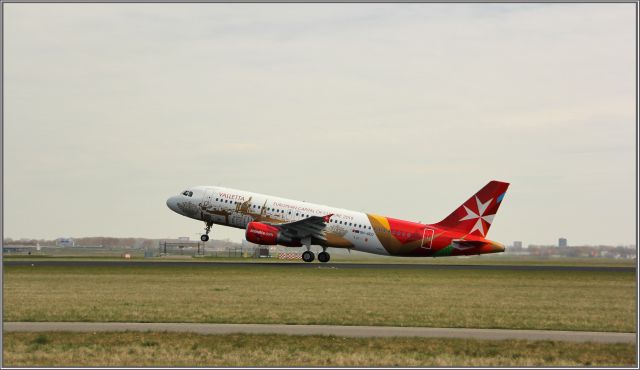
(110, 242)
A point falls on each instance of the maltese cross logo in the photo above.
(482, 207)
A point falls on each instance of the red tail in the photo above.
(475, 216)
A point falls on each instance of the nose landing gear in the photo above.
(205, 237)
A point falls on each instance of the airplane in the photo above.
(269, 220)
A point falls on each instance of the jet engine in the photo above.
(263, 234)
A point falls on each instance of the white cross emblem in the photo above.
(482, 207)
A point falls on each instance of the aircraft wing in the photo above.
(312, 226)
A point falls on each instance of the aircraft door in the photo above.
(207, 200)
(427, 237)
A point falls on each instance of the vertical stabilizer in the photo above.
(475, 216)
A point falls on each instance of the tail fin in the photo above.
(475, 216)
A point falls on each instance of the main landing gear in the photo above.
(205, 237)
(323, 256)
(308, 256)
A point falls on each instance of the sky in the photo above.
(404, 110)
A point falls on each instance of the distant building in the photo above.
(517, 245)
(65, 242)
(562, 242)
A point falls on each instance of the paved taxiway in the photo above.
(343, 331)
(408, 266)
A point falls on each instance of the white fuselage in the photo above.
(230, 207)
(270, 220)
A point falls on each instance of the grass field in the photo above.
(180, 349)
(556, 300)
(338, 259)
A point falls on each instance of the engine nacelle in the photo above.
(263, 234)
(259, 233)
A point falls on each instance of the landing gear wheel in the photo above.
(207, 227)
(324, 257)
(308, 256)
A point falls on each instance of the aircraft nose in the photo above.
(172, 203)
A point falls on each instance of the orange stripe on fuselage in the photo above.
(398, 237)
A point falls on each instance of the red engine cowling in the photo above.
(263, 234)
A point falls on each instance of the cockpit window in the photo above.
(187, 193)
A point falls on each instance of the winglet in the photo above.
(327, 217)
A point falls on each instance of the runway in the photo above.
(342, 331)
(339, 265)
